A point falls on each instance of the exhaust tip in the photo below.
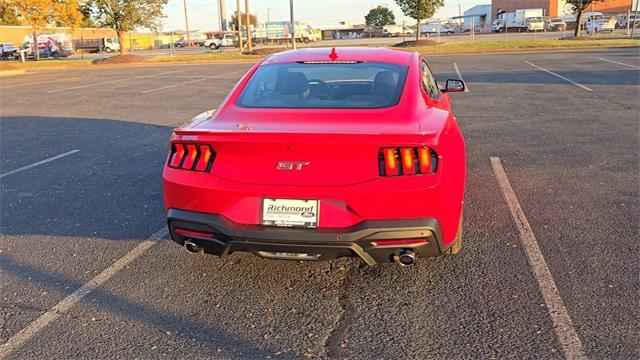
(192, 246)
(406, 258)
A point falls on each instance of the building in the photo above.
(479, 16)
(557, 7)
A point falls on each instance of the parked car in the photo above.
(555, 24)
(600, 25)
(323, 153)
(624, 22)
(7, 51)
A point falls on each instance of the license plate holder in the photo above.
(290, 212)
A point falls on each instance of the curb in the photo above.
(11, 72)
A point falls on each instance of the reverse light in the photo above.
(407, 161)
(191, 156)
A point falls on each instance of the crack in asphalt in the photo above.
(334, 344)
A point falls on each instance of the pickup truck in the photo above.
(221, 41)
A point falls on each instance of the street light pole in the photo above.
(186, 21)
(292, 27)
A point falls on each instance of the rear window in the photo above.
(362, 85)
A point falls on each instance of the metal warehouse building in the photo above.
(557, 7)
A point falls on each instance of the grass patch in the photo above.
(203, 57)
(470, 47)
(50, 63)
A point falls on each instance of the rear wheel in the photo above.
(456, 247)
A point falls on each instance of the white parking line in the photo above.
(16, 341)
(190, 82)
(38, 163)
(563, 326)
(27, 83)
(466, 87)
(559, 76)
(113, 81)
(619, 63)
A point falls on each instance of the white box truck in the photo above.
(520, 20)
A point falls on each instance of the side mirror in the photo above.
(454, 85)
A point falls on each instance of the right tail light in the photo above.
(407, 161)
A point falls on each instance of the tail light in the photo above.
(407, 161)
(195, 157)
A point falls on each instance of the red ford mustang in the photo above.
(323, 153)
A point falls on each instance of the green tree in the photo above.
(128, 15)
(419, 10)
(243, 16)
(88, 18)
(379, 16)
(579, 7)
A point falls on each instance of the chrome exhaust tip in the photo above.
(192, 246)
(406, 258)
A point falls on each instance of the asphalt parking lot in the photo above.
(81, 156)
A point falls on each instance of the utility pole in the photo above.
(633, 27)
(239, 21)
(593, 30)
(292, 27)
(186, 21)
(222, 14)
(248, 21)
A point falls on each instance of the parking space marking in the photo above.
(559, 76)
(38, 163)
(113, 81)
(16, 341)
(619, 63)
(41, 82)
(191, 82)
(466, 87)
(563, 326)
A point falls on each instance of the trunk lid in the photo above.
(327, 148)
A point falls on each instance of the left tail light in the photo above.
(191, 156)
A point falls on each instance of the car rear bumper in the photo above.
(219, 236)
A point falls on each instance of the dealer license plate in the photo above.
(290, 212)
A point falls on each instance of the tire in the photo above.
(456, 247)
(107, 50)
(305, 40)
(213, 46)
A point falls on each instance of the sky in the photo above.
(203, 14)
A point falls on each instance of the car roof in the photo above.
(338, 54)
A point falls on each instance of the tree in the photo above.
(128, 15)
(253, 19)
(40, 13)
(578, 8)
(88, 18)
(8, 14)
(379, 16)
(419, 10)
